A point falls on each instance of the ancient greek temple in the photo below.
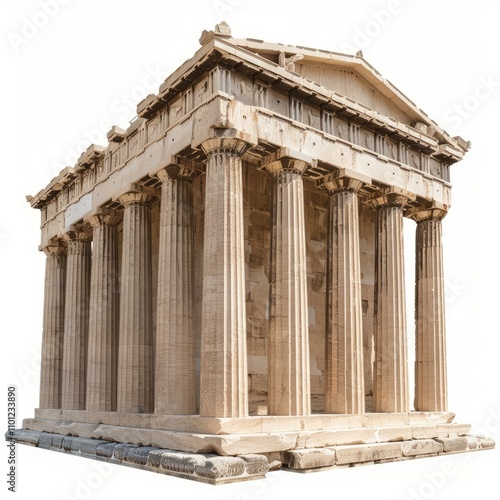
(225, 282)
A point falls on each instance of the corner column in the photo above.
(135, 346)
(431, 392)
(76, 322)
(344, 378)
(289, 386)
(103, 316)
(390, 387)
(53, 325)
(223, 376)
(175, 375)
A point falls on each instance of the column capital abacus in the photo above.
(344, 180)
(103, 217)
(285, 159)
(430, 211)
(55, 246)
(390, 196)
(77, 233)
(228, 145)
(138, 194)
(181, 169)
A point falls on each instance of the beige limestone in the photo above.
(311, 458)
(223, 378)
(135, 389)
(367, 453)
(53, 326)
(390, 391)
(102, 354)
(175, 373)
(344, 382)
(76, 318)
(225, 281)
(421, 447)
(431, 393)
(289, 387)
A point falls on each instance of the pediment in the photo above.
(351, 84)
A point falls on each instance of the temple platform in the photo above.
(221, 450)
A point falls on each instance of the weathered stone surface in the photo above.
(105, 450)
(139, 455)
(220, 467)
(255, 464)
(311, 458)
(57, 441)
(45, 441)
(154, 457)
(473, 443)
(181, 462)
(485, 442)
(89, 446)
(25, 436)
(69, 444)
(420, 447)
(121, 450)
(425, 431)
(453, 444)
(367, 453)
(394, 434)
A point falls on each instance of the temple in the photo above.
(225, 282)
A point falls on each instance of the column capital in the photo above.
(180, 169)
(137, 193)
(103, 217)
(55, 246)
(430, 211)
(391, 196)
(345, 180)
(285, 159)
(227, 145)
(77, 232)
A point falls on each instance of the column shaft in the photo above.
(135, 346)
(289, 386)
(223, 376)
(103, 316)
(53, 327)
(344, 381)
(76, 320)
(430, 361)
(175, 376)
(390, 391)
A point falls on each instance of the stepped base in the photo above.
(218, 451)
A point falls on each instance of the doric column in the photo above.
(430, 361)
(76, 318)
(344, 378)
(53, 325)
(103, 315)
(223, 374)
(289, 386)
(175, 374)
(135, 389)
(390, 386)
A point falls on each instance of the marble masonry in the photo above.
(225, 282)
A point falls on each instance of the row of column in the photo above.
(97, 350)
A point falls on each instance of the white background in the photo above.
(85, 66)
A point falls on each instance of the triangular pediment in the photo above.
(351, 84)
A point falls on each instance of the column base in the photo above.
(222, 450)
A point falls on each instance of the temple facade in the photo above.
(225, 282)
